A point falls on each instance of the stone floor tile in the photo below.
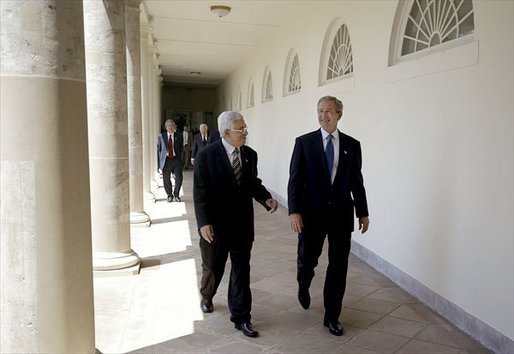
(394, 294)
(350, 348)
(379, 341)
(398, 326)
(417, 346)
(300, 343)
(418, 313)
(447, 335)
(360, 289)
(380, 307)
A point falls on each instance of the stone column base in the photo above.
(139, 219)
(149, 197)
(109, 261)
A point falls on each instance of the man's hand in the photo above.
(272, 204)
(207, 233)
(363, 224)
(296, 222)
(192, 161)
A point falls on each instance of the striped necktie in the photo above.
(236, 165)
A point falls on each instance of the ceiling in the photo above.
(189, 38)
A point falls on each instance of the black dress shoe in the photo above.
(334, 328)
(178, 199)
(247, 329)
(304, 297)
(206, 306)
(170, 199)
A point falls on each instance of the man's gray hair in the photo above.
(226, 120)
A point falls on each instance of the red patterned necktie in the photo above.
(170, 146)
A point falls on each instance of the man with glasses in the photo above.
(225, 182)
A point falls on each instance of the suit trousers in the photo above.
(172, 165)
(186, 156)
(214, 258)
(310, 246)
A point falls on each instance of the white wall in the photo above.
(437, 138)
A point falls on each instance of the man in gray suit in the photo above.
(169, 152)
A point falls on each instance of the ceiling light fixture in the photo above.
(195, 73)
(220, 10)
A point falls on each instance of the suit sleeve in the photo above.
(193, 153)
(357, 186)
(201, 190)
(159, 147)
(259, 192)
(296, 184)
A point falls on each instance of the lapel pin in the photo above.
(345, 152)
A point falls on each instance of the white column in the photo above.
(137, 213)
(148, 138)
(106, 71)
(45, 251)
(157, 114)
(154, 125)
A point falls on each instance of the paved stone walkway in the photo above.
(158, 311)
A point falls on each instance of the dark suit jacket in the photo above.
(219, 200)
(198, 144)
(162, 147)
(310, 191)
(214, 136)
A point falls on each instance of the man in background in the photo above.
(187, 137)
(200, 141)
(169, 151)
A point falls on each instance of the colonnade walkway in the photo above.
(157, 311)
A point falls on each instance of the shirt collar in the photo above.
(228, 147)
(335, 134)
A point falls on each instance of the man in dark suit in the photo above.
(200, 141)
(187, 138)
(225, 182)
(325, 186)
(215, 136)
(169, 152)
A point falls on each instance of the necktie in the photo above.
(204, 140)
(236, 165)
(329, 153)
(170, 146)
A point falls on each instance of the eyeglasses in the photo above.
(243, 130)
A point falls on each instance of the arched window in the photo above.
(336, 58)
(292, 77)
(267, 86)
(426, 26)
(251, 96)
